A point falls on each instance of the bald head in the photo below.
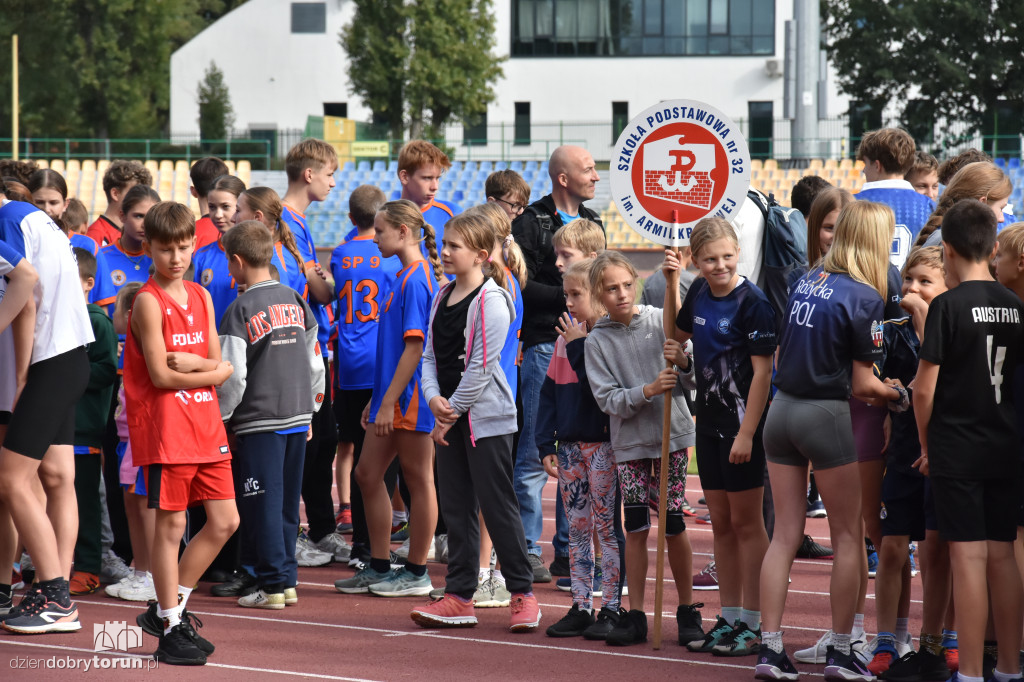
(573, 176)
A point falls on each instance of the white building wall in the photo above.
(276, 77)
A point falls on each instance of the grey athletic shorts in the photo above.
(802, 430)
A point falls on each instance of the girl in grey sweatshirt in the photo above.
(626, 369)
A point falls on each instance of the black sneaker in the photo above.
(153, 625)
(742, 641)
(917, 666)
(606, 621)
(6, 602)
(631, 629)
(560, 566)
(774, 666)
(689, 621)
(573, 624)
(240, 585)
(176, 648)
(541, 574)
(712, 637)
(809, 549)
(840, 667)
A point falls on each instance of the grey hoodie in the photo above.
(621, 359)
(483, 392)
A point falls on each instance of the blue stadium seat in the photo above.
(396, 194)
(392, 167)
(1014, 163)
(349, 166)
(458, 196)
(500, 165)
(470, 166)
(379, 166)
(531, 165)
(456, 168)
(363, 166)
(486, 166)
(517, 166)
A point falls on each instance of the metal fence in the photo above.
(265, 149)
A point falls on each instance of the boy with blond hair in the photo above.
(579, 239)
(172, 363)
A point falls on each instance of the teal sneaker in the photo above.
(713, 636)
(361, 581)
(402, 583)
(742, 641)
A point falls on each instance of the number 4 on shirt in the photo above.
(996, 367)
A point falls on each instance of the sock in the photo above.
(885, 641)
(933, 644)
(1000, 676)
(170, 617)
(484, 574)
(858, 625)
(140, 575)
(418, 570)
(752, 619)
(55, 590)
(399, 517)
(772, 640)
(731, 614)
(344, 505)
(901, 629)
(183, 593)
(841, 643)
(964, 678)
(949, 639)
(464, 601)
(380, 565)
(499, 577)
(5, 590)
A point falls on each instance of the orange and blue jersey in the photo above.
(361, 279)
(404, 315)
(81, 241)
(304, 240)
(437, 213)
(289, 270)
(122, 267)
(210, 268)
(510, 351)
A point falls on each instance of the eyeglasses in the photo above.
(515, 208)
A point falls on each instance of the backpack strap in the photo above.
(547, 229)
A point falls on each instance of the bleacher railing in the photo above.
(257, 152)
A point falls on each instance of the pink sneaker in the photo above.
(525, 613)
(447, 612)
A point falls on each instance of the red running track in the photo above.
(359, 637)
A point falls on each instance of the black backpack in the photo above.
(784, 249)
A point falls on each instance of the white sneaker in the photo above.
(261, 600)
(335, 545)
(403, 549)
(862, 648)
(904, 646)
(140, 590)
(306, 553)
(441, 548)
(113, 568)
(114, 589)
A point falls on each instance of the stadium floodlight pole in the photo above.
(14, 97)
(804, 130)
(669, 322)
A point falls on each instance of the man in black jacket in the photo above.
(573, 178)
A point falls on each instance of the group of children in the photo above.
(224, 347)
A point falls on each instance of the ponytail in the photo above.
(430, 241)
(283, 234)
(501, 228)
(973, 181)
(266, 201)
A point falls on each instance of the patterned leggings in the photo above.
(587, 479)
(640, 487)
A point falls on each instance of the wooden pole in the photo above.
(14, 97)
(669, 321)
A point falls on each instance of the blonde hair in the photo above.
(477, 234)
(581, 234)
(309, 153)
(860, 248)
(1011, 240)
(710, 230)
(978, 179)
(928, 256)
(579, 272)
(603, 261)
(404, 212)
(266, 201)
(828, 200)
(510, 251)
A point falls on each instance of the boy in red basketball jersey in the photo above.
(172, 363)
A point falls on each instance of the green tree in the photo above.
(961, 57)
(216, 115)
(97, 68)
(421, 65)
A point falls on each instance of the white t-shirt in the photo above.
(62, 320)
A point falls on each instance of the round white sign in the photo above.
(675, 163)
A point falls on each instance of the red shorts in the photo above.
(176, 487)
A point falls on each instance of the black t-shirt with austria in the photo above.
(974, 333)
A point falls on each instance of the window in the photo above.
(642, 28)
(522, 123)
(474, 133)
(620, 119)
(761, 129)
(309, 17)
(339, 109)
